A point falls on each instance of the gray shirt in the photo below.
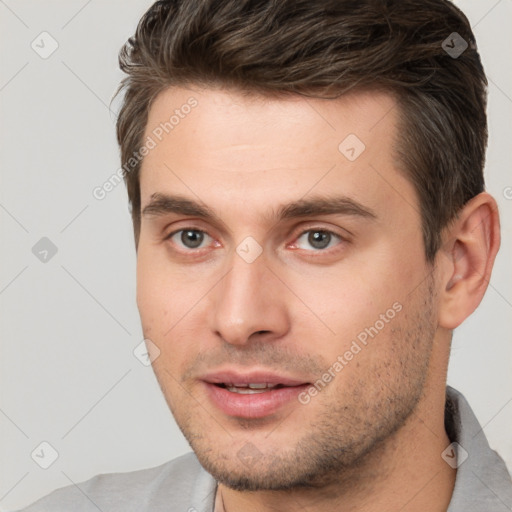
(482, 483)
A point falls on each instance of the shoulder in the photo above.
(180, 481)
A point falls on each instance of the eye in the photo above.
(189, 238)
(319, 239)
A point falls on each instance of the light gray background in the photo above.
(69, 326)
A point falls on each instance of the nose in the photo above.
(248, 302)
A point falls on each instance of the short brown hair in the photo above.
(324, 48)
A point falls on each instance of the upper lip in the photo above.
(250, 377)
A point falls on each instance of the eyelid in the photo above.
(186, 228)
(332, 231)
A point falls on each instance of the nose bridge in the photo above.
(246, 301)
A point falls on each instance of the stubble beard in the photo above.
(350, 431)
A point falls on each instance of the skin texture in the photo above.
(372, 438)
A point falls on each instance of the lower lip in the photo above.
(254, 405)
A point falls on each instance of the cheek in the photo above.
(360, 301)
(347, 301)
(168, 308)
(156, 298)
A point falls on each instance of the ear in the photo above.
(465, 262)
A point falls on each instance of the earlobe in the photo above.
(467, 259)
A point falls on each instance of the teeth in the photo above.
(262, 386)
(244, 391)
(251, 388)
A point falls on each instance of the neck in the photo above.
(406, 473)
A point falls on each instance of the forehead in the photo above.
(256, 151)
(228, 122)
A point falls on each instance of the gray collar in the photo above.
(483, 483)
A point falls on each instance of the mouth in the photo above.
(255, 395)
(251, 388)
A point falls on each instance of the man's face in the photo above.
(332, 307)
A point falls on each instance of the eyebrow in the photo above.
(163, 204)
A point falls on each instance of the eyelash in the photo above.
(302, 233)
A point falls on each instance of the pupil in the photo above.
(319, 239)
(192, 239)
